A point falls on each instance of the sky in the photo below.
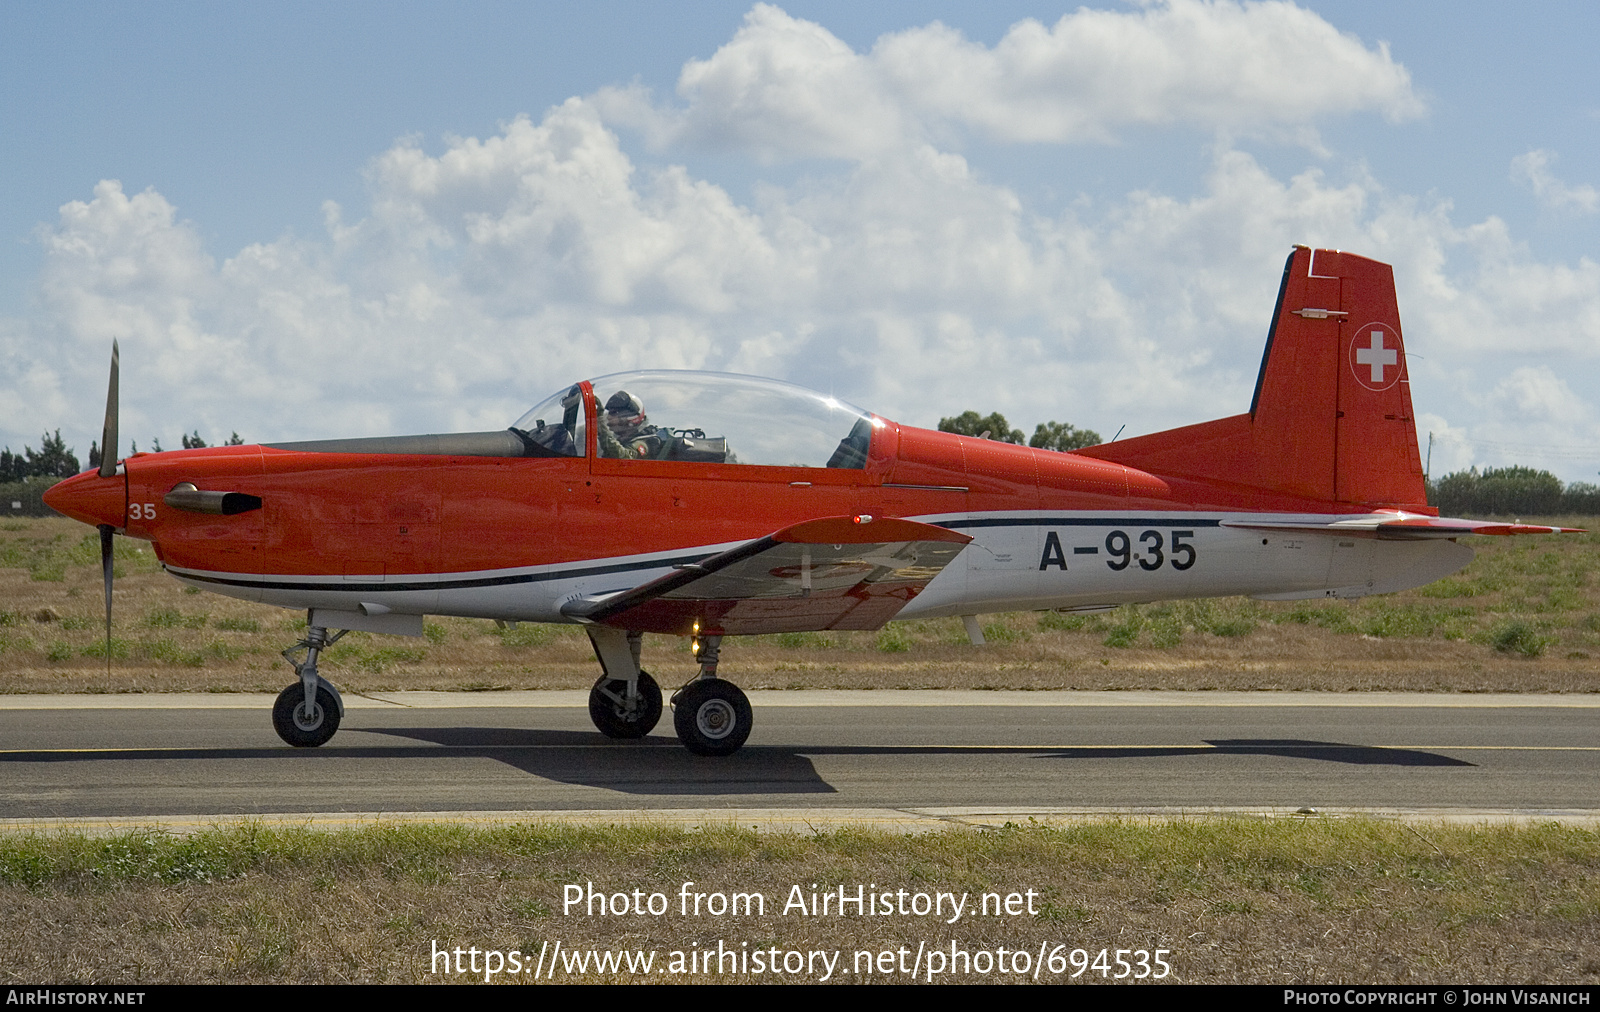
(312, 220)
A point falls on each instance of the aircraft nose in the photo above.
(91, 499)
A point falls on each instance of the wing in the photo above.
(833, 573)
(1401, 527)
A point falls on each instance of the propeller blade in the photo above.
(108, 458)
(108, 469)
(107, 532)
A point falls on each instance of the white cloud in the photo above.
(1537, 394)
(1533, 171)
(1209, 64)
(787, 88)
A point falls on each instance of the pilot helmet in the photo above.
(624, 414)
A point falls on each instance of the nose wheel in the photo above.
(308, 712)
(305, 726)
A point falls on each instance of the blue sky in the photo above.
(1106, 270)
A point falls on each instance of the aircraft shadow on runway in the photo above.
(655, 766)
(1288, 748)
(658, 766)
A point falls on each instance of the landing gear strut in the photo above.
(308, 712)
(626, 701)
(711, 715)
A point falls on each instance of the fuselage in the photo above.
(514, 537)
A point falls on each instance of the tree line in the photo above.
(1512, 491)
(1050, 435)
(54, 459)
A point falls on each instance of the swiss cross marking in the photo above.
(1377, 356)
(1376, 350)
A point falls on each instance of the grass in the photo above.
(524, 636)
(894, 639)
(1235, 900)
(1519, 638)
(1524, 616)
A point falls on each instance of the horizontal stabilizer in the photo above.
(833, 573)
(1400, 527)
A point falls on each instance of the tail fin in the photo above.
(1331, 418)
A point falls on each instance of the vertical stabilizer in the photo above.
(1331, 417)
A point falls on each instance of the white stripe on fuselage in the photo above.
(1024, 560)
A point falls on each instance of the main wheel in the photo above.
(613, 718)
(299, 728)
(712, 717)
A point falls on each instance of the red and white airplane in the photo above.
(708, 505)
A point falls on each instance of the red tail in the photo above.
(1331, 419)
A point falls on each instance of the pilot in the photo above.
(627, 433)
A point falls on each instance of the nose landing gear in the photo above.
(308, 712)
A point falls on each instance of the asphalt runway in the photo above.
(89, 757)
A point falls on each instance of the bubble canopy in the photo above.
(704, 417)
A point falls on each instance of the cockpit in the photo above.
(714, 418)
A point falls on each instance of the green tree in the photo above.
(193, 442)
(970, 423)
(1499, 491)
(54, 459)
(1508, 490)
(1061, 437)
(1455, 493)
(1581, 498)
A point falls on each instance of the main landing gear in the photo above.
(308, 712)
(712, 717)
(626, 701)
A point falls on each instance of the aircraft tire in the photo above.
(712, 717)
(610, 719)
(291, 723)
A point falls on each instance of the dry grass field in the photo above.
(1233, 900)
(1524, 616)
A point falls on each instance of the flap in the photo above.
(832, 573)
